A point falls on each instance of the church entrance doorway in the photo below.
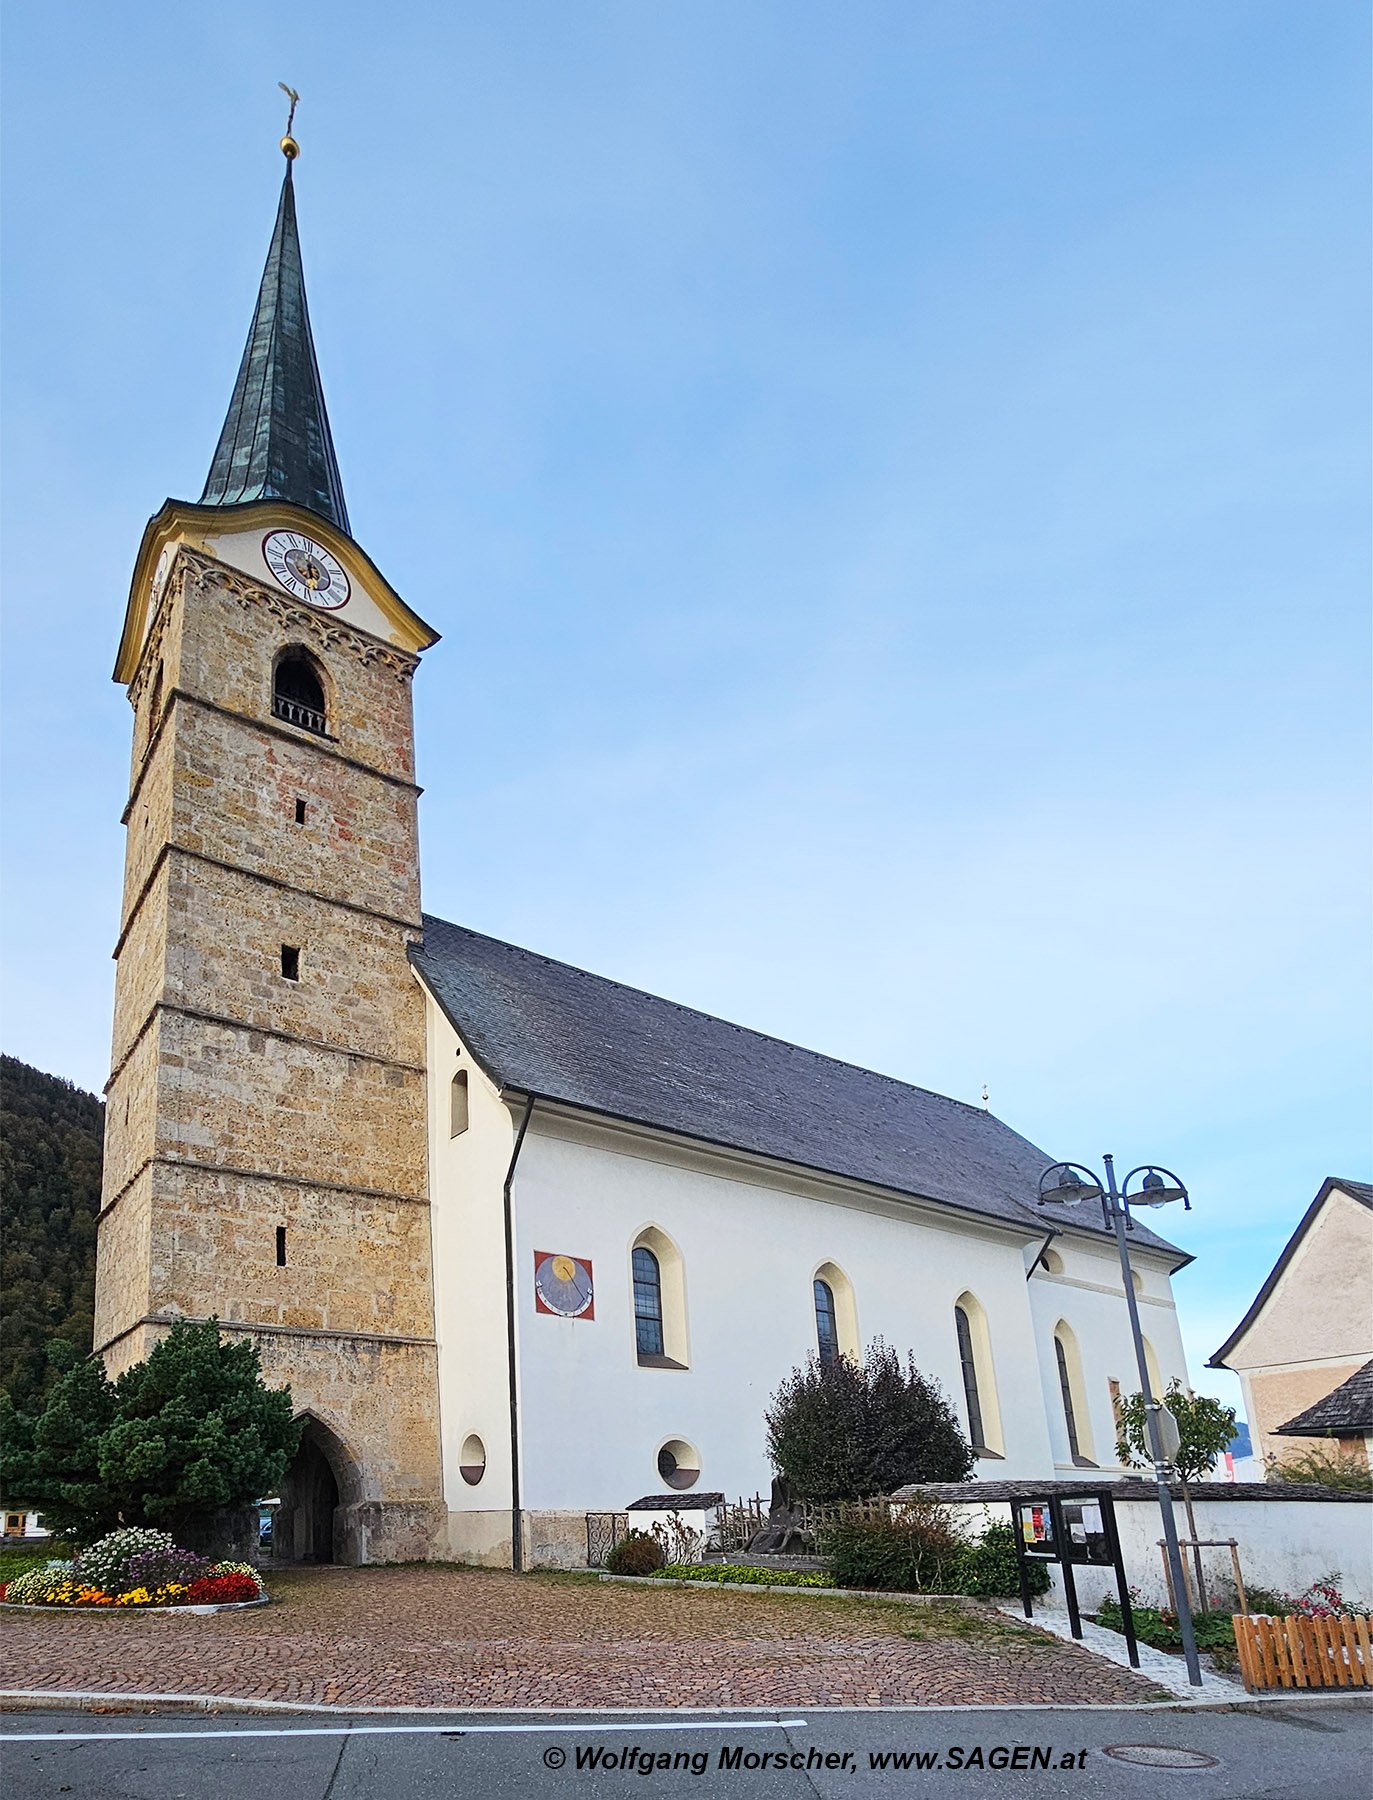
(307, 1524)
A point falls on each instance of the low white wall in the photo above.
(1284, 1545)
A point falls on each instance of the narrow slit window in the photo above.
(281, 1246)
(300, 812)
(457, 1104)
(290, 962)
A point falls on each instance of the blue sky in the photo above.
(892, 480)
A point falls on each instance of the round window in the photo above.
(472, 1459)
(678, 1464)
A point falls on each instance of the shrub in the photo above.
(915, 1550)
(989, 1567)
(726, 1573)
(844, 1430)
(188, 1432)
(1324, 1465)
(637, 1553)
(1159, 1627)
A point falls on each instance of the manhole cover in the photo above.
(1161, 1756)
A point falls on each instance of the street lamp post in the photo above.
(1062, 1185)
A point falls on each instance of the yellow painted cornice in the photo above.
(182, 522)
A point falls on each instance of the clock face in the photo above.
(562, 1285)
(305, 569)
(160, 574)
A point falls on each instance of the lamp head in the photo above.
(1158, 1188)
(1062, 1185)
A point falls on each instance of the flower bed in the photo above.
(737, 1572)
(136, 1568)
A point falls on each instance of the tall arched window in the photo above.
(979, 1379)
(660, 1327)
(826, 1322)
(1073, 1396)
(836, 1316)
(648, 1303)
(1151, 1364)
(298, 691)
(969, 1362)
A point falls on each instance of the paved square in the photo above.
(448, 1637)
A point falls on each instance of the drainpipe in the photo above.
(516, 1511)
(1039, 1254)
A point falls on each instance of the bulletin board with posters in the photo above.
(1080, 1528)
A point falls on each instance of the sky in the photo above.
(892, 480)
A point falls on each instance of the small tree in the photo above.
(1205, 1427)
(845, 1430)
(190, 1431)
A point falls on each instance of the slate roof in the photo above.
(276, 443)
(1347, 1412)
(545, 1028)
(1357, 1190)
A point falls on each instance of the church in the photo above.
(526, 1243)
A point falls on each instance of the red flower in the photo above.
(222, 1590)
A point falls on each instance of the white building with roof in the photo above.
(651, 1217)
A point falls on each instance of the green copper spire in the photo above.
(276, 443)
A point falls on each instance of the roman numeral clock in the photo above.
(306, 569)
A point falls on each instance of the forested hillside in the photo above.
(50, 1149)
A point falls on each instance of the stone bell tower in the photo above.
(265, 1149)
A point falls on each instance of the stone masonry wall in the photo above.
(242, 1101)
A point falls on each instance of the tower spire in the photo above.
(276, 443)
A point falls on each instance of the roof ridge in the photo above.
(696, 1012)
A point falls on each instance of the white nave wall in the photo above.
(751, 1238)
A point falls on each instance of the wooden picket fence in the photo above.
(1303, 1653)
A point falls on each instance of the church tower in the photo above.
(265, 1149)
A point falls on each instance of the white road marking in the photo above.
(276, 1731)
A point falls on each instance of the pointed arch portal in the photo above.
(321, 1481)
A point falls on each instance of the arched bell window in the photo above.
(298, 691)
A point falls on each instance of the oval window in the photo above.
(472, 1459)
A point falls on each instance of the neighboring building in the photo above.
(1310, 1327)
(524, 1242)
(1346, 1416)
(20, 1523)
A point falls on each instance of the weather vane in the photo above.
(290, 149)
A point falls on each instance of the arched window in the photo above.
(648, 1303)
(660, 1330)
(298, 691)
(1151, 1364)
(836, 1317)
(826, 1322)
(457, 1104)
(979, 1381)
(1073, 1396)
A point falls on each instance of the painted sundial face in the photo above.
(305, 568)
(563, 1285)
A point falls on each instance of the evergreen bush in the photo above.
(637, 1553)
(844, 1430)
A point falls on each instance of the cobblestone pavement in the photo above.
(448, 1637)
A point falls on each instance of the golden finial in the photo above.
(290, 149)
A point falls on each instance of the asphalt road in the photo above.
(1316, 1748)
